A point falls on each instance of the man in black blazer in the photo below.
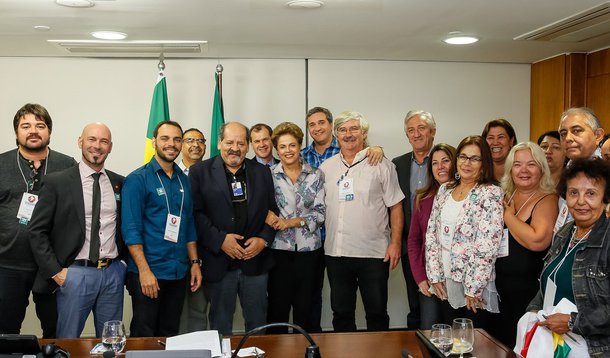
(231, 198)
(420, 129)
(76, 239)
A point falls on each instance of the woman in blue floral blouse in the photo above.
(297, 248)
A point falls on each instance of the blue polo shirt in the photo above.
(311, 156)
(144, 215)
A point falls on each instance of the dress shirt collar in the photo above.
(359, 157)
(86, 171)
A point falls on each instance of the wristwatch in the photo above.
(197, 261)
(572, 320)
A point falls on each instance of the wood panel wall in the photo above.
(598, 86)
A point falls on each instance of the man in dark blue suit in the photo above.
(231, 198)
(75, 228)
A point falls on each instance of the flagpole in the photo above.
(219, 70)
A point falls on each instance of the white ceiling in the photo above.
(341, 29)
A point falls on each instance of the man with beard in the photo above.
(91, 248)
(232, 196)
(194, 313)
(158, 228)
(20, 180)
(193, 148)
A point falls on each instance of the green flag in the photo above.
(217, 117)
(159, 112)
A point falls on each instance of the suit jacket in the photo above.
(57, 228)
(213, 211)
(403, 168)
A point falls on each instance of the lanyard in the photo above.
(165, 191)
(27, 185)
(568, 251)
(348, 168)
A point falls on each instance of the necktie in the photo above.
(94, 249)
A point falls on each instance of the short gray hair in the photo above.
(348, 116)
(425, 116)
(592, 119)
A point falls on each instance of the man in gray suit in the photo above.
(420, 129)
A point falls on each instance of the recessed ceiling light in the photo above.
(305, 4)
(42, 28)
(109, 35)
(461, 40)
(75, 3)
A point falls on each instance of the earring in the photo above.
(457, 176)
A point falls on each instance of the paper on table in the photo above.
(196, 340)
(250, 352)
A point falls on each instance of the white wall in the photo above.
(76, 91)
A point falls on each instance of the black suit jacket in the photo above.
(213, 211)
(57, 228)
(403, 168)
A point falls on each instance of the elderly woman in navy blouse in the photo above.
(297, 248)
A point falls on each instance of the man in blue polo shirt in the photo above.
(159, 231)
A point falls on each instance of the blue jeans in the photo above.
(252, 291)
(89, 289)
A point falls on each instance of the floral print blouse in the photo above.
(304, 199)
(476, 241)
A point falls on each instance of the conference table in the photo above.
(332, 345)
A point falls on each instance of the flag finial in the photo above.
(219, 68)
(161, 64)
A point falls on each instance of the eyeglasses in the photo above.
(191, 141)
(344, 130)
(554, 147)
(462, 158)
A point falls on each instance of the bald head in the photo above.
(95, 143)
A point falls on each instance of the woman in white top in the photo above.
(464, 234)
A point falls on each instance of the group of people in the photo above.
(472, 225)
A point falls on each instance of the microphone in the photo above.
(312, 351)
(108, 354)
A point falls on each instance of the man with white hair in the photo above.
(360, 247)
(411, 167)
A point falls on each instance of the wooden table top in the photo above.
(332, 345)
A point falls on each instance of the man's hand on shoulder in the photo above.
(375, 155)
(232, 248)
(254, 246)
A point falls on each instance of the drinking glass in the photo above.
(113, 336)
(442, 338)
(463, 336)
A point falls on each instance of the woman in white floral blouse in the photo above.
(297, 248)
(464, 234)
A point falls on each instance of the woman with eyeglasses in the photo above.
(464, 234)
(530, 209)
(440, 170)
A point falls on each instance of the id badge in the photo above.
(237, 189)
(346, 189)
(503, 252)
(172, 228)
(549, 295)
(28, 203)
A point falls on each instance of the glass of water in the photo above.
(442, 338)
(463, 336)
(113, 336)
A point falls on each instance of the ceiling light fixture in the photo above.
(460, 40)
(42, 28)
(305, 4)
(75, 3)
(109, 35)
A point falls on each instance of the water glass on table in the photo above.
(463, 336)
(441, 336)
(113, 336)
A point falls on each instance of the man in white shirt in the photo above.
(360, 247)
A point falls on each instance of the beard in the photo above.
(36, 148)
(167, 157)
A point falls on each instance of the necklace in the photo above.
(575, 240)
(463, 191)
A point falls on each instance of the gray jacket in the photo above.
(590, 283)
